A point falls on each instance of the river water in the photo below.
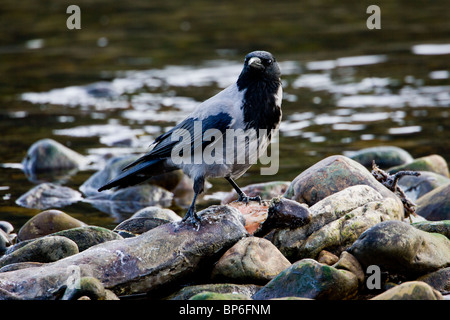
(136, 68)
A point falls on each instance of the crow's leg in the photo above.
(242, 196)
(191, 214)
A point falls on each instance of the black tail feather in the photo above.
(138, 173)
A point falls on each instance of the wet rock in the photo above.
(88, 236)
(442, 227)
(251, 260)
(284, 213)
(435, 205)
(309, 279)
(411, 290)
(434, 163)
(336, 222)
(48, 195)
(187, 293)
(326, 257)
(156, 212)
(266, 191)
(348, 262)
(399, 248)
(85, 237)
(384, 156)
(329, 176)
(47, 222)
(146, 219)
(47, 249)
(138, 226)
(219, 296)
(48, 155)
(143, 196)
(439, 280)
(163, 257)
(416, 187)
(254, 214)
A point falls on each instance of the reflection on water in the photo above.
(134, 70)
(352, 98)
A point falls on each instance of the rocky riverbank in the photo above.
(334, 232)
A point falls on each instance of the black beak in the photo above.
(256, 63)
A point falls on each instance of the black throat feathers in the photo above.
(260, 106)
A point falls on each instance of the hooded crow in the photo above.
(204, 144)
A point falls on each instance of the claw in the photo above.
(192, 217)
(244, 198)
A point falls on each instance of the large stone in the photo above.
(284, 213)
(88, 236)
(188, 292)
(48, 195)
(261, 218)
(439, 280)
(47, 222)
(435, 205)
(138, 226)
(384, 156)
(411, 290)
(336, 222)
(47, 249)
(442, 227)
(399, 248)
(48, 155)
(327, 258)
(146, 219)
(85, 237)
(309, 279)
(350, 263)
(434, 163)
(165, 256)
(254, 214)
(329, 176)
(251, 260)
(156, 212)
